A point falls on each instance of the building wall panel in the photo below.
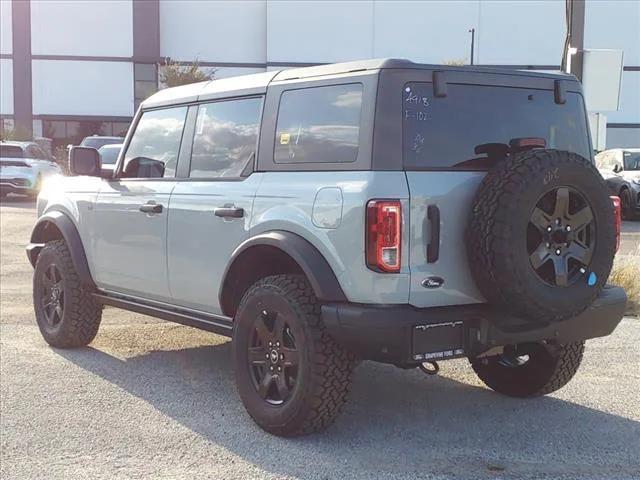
(416, 30)
(521, 33)
(623, 137)
(629, 101)
(81, 27)
(72, 87)
(317, 31)
(614, 24)
(6, 86)
(221, 31)
(6, 28)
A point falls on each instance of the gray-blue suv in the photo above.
(379, 210)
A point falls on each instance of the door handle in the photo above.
(433, 247)
(151, 208)
(229, 212)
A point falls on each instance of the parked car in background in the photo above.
(96, 141)
(620, 167)
(109, 156)
(23, 168)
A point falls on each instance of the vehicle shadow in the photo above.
(429, 425)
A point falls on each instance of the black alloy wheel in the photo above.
(561, 236)
(66, 312)
(52, 295)
(273, 357)
(292, 377)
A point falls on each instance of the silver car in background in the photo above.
(97, 141)
(23, 168)
(620, 167)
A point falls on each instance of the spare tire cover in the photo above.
(541, 238)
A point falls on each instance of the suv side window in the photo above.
(154, 147)
(319, 125)
(225, 138)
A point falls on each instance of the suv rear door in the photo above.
(210, 211)
(445, 162)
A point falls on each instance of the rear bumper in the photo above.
(404, 335)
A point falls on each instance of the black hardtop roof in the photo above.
(257, 83)
(400, 63)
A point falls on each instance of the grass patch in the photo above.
(626, 274)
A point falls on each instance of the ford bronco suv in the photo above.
(379, 210)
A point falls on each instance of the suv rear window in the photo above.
(444, 132)
(319, 125)
(10, 151)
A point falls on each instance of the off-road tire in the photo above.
(497, 232)
(325, 368)
(549, 369)
(81, 314)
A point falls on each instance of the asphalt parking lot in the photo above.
(149, 399)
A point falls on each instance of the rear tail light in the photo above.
(384, 235)
(617, 208)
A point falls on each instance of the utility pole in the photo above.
(473, 41)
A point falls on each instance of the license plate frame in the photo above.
(438, 341)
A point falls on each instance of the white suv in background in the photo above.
(23, 168)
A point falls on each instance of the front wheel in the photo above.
(292, 377)
(66, 313)
(530, 370)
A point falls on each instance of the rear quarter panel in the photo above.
(285, 201)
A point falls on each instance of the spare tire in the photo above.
(541, 239)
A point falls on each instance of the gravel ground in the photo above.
(150, 399)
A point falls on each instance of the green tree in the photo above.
(173, 74)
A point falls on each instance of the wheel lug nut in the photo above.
(568, 229)
(558, 251)
(271, 368)
(277, 344)
(266, 355)
(548, 245)
(282, 356)
(549, 228)
(270, 344)
(279, 369)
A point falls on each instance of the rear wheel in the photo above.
(530, 370)
(293, 378)
(66, 313)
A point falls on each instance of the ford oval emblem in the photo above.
(432, 282)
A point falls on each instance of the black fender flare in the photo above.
(312, 263)
(42, 233)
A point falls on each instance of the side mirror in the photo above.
(143, 167)
(617, 168)
(84, 161)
